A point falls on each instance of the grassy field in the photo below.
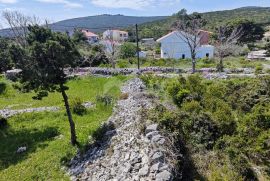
(46, 135)
(229, 62)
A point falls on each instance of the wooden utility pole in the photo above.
(138, 50)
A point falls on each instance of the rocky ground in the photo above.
(132, 149)
(6, 113)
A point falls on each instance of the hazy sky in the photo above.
(55, 10)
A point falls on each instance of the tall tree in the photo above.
(18, 23)
(111, 49)
(79, 36)
(251, 31)
(5, 58)
(44, 68)
(188, 29)
(226, 44)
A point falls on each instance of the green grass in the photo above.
(85, 88)
(229, 62)
(46, 135)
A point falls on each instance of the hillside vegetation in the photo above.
(258, 15)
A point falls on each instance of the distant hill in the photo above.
(98, 23)
(101, 23)
(158, 25)
(259, 15)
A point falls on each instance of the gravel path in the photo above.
(131, 149)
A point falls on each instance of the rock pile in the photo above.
(131, 150)
(6, 113)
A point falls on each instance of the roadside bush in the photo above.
(3, 122)
(77, 107)
(105, 99)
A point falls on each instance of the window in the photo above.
(121, 35)
(183, 56)
(207, 55)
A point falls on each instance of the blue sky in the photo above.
(56, 10)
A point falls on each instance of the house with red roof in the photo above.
(91, 37)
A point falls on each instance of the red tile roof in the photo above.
(88, 33)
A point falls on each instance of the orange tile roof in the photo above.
(89, 33)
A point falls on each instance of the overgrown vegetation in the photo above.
(46, 135)
(226, 123)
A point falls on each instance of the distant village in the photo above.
(172, 45)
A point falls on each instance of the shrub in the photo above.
(180, 97)
(77, 107)
(99, 134)
(105, 99)
(123, 63)
(258, 69)
(127, 50)
(3, 87)
(3, 123)
(192, 107)
(200, 130)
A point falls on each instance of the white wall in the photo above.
(173, 46)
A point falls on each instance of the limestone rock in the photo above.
(151, 128)
(164, 176)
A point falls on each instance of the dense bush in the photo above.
(230, 117)
(105, 99)
(78, 107)
(3, 87)
(127, 50)
(3, 123)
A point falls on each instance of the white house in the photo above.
(174, 46)
(115, 35)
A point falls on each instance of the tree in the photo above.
(251, 32)
(127, 50)
(225, 44)
(18, 24)
(79, 37)
(189, 31)
(5, 58)
(43, 69)
(111, 49)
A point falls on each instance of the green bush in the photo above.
(123, 63)
(258, 69)
(3, 87)
(200, 130)
(105, 99)
(77, 107)
(3, 123)
(127, 50)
